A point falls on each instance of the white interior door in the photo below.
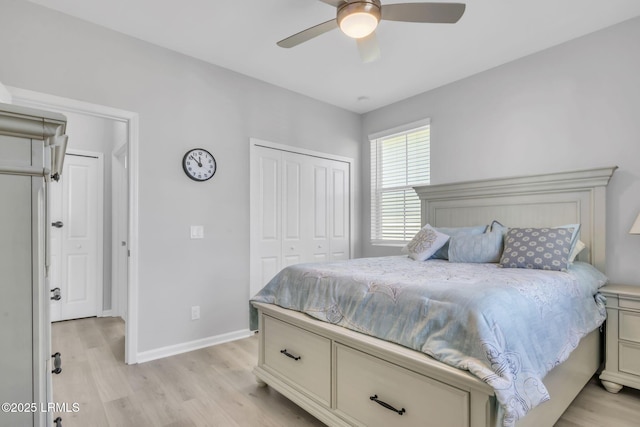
(300, 211)
(293, 219)
(317, 210)
(340, 211)
(75, 203)
(266, 217)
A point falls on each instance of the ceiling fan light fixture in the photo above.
(360, 18)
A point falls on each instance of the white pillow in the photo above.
(425, 243)
(576, 251)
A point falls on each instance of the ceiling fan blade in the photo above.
(335, 3)
(369, 48)
(438, 13)
(308, 34)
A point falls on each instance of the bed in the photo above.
(345, 377)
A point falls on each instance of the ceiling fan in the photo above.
(358, 19)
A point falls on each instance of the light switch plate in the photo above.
(197, 232)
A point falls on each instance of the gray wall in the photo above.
(574, 106)
(183, 103)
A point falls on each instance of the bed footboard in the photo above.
(345, 378)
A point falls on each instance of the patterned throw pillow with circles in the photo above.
(537, 248)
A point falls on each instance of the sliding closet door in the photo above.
(315, 213)
(339, 211)
(326, 210)
(294, 195)
(265, 217)
(300, 211)
(318, 242)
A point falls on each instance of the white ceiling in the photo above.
(242, 36)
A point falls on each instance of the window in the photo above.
(400, 159)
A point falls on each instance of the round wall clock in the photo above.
(199, 164)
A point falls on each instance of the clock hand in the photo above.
(197, 161)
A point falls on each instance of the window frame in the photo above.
(375, 191)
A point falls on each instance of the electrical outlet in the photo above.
(195, 312)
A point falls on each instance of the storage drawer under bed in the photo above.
(300, 356)
(372, 392)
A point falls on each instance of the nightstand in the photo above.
(622, 334)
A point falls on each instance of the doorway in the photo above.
(127, 299)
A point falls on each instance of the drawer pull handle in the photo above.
(56, 294)
(57, 363)
(58, 422)
(386, 405)
(286, 353)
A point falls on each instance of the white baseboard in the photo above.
(106, 313)
(172, 350)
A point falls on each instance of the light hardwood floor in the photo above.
(215, 387)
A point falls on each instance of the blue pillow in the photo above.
(443, 252)
(485, 247)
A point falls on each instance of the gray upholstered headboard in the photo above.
(527, 201)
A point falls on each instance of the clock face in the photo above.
(199, 164)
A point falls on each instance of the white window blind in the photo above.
(399, 161)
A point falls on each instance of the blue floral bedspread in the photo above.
(508, 327)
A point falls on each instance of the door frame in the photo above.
(119, 184)
(253, 192)
(100, 312)
(34, 99)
